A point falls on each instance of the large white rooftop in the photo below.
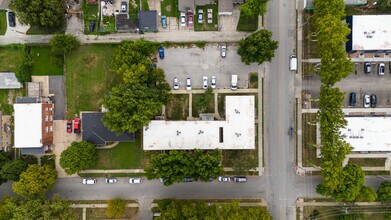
(236, 132)
(368, 133)
(28, 125)
(371, 32)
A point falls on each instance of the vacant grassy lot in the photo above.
(178, 107)
(170, 8)
(90, 13)
(247, 23)
(10, 57)
(4, 106)
(123, 156)
(42, 65)
(88, 77)
(35, 30)
(309, 140)
(221, 102)
(99, 213)
(3, 22)
(205, 26)
(368, 162)
(357, 212)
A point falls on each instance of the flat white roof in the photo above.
(368, 133)
(371, 32)
(28, 125)
(236, 132)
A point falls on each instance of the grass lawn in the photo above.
(144, 5)
(4, 106)
(178, 107)
(221, 102)
(99, 213)
(10, 57)
(78, 212)
(205, 26)
(42, 65)
(309, 140)
(309, 42)
(169, 8)
(368, 162)
(3, 22)
(247, 23)
(123, 156)
(34, 30)
(207, 109)
(88, 77)
(90, 13)
(253, 80)
(358, 212)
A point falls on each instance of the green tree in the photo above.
(8, 206)
(384, 192)
(42, 13)
(254, 7)
(257, 48)
(115, 208)
(383, 5)
(176, 165)
(23, 73)
(4, 159)
(60, 45)
(79, 156)
(57, 209)
(203, 101)
(35, 181)
(132, 106)
(367, 194)
(13, 169)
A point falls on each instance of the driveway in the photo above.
(196, 62)
(4, 4)
(57, 87)
(18, 30)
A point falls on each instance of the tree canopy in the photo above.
(13, 169)
(384, 192)
(176, 165)
(182, 209)
(115, 208)
(60, 45)
(257, 48)
(35, 181)
(42, 13)
(254, 7)
(79, 156)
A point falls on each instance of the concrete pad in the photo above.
(44, 81)
(62, 141)
(18, 30)
(229, 22)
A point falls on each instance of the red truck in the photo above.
(76, 126)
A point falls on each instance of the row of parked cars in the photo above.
(368, 100)
(380, 69)
(76, 126)
(91, 181)
(137, 180)
(205, 83)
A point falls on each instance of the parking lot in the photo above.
(360, 83)
(196, 62)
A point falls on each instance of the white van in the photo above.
(89, 181)
(292, 63)
(234, 82)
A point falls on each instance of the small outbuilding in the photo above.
(147, 20)
(8, 80)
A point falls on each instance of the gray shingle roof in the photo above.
(33, 150)
(9, 81)
(147, 20)
(123, 23)
(94, 131)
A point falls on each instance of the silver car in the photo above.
(135, 180)
(110, 180)
(367, 101)
(176, 83)
(205, 82)
(188, 84)
(213, 82)
(224, 179)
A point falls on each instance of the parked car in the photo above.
(205, 82)
(183, 19)
(161, 52)
(210, 16)
(123, 6)
(381, 69)
(367, 101)
(176, 83)
(187, 179)
(373, 101)
(11, 19)
(92, 26)
(389, 67)
(190, 19)
(69, 126)
(188, 84)
(135, 180)
(223, 51)
(76, 126)
(111, 180)
(224, 179)
(352, 99)
(240, 179)
(164, 21)
(367, 68)
(89, 181)
(213, 82)
(200, 16)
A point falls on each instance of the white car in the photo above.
(111, 180)
(381, 69)
(176, 83)
(188, 84)
(183, 19)
(213, 83)
(89, 181)
(200, 16)
(205, 82)
(367, 101)
(135, 180)
(224, 179)
(223, 51)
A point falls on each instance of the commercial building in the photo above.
(237, 131)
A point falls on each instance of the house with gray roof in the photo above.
(8, 80)
(95, 132)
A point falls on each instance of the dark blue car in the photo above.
(161, 52)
